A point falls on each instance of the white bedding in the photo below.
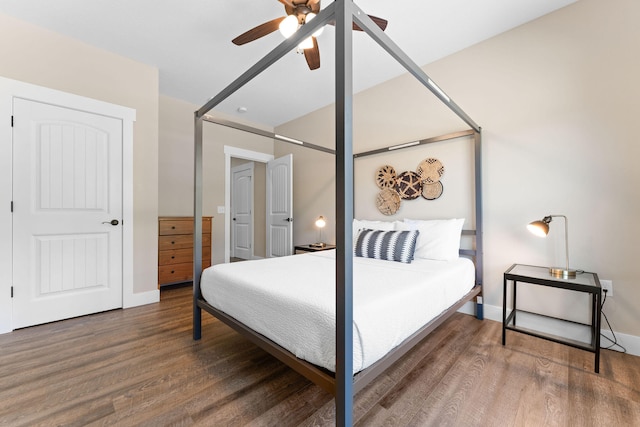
(291, 300)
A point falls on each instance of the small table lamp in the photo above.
(320, 223)
(541, 229)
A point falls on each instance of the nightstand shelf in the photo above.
(585, 282)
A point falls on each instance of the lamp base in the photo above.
(562, 272)
(318, 245)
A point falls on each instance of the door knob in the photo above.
(288, 219)
(112, 222)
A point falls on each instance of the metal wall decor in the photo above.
(408, 185)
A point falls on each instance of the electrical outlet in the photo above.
(220, 209)
(608, 285)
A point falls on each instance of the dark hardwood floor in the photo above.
(140, 367)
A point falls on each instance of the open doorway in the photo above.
(278, 211)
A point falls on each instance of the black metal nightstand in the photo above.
(310, 248)
(585, 282)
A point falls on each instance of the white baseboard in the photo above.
(492, 312)
(141, 298)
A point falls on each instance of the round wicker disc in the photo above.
(432, 191)
(430, 170)
(409, 185)
(386, 177)
(388, 201)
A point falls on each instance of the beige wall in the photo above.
(38, 56)
(557, 99)
(175, 180)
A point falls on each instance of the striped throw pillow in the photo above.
(386, 245)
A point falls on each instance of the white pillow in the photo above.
(439, 239)
(361, 224)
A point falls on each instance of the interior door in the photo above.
(67, 213)
(280, 206)
(242, 211)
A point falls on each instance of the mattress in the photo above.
(291, 300)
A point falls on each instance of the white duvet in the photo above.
(291, 300)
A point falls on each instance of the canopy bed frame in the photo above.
(343, 384)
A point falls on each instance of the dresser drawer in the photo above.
(175, 273)
(167, 227)
(178, 256)
(181, 241)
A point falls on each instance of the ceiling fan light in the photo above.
(306, 44)
(288, 26)
(308, 19)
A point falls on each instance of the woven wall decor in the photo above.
(409, 185)
(432, 191)
(386, 177)
(388, 201)
(430, 170)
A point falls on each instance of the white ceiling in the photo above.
(190, 43)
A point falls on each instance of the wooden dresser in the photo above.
(175, 248)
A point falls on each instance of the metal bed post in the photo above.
(478, 206)
(344, 214)
(197, 227)
(283, 48)
(344, 13)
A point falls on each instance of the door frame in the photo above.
(10, 89)
(242, 167)
(239, 153)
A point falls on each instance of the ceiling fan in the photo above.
(298, 12)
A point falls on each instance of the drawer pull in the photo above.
(173, 227)
(173, 257)
(172, 271)
(173, 243)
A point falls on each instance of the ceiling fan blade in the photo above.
(257, 32)
(314, 5)
(289, 7)
(382, 23)
(312, 55)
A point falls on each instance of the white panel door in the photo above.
(280, 206)
(242, 211)
(67, 194)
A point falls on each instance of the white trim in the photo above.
(10, 89)
(239, 153)
(129, 298)
(630, 342)
(142, 298)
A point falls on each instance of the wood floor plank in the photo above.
(141, 367)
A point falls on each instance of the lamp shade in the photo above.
(321, 222)
(306, 44)
(539, 228)
(308, 19)
(288, 26)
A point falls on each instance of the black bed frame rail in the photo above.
(322, 377)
